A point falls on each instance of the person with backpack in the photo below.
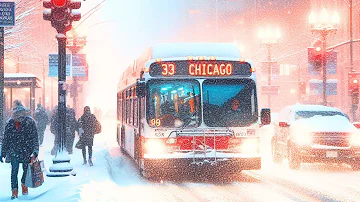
(42, 120)
(89, 126)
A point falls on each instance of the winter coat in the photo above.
(20, 143)
(41, 117)
(88, 123)
(70, 121)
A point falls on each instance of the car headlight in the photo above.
(355, 139)
(250, 146)
(303, 139)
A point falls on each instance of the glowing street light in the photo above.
(269, 36)
(324, 24)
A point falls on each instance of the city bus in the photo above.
(183, 106)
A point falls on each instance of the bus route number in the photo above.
(168, 69)
(155, 122)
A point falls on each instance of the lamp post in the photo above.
(324, 24)
(269, 37)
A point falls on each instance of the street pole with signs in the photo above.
(61, 13)
(6, 19)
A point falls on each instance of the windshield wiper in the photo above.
(189, 120)
(185, 124)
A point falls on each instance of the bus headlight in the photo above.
(355, 139)
(155, 146)
(250, 146)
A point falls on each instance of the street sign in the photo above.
(270, 90)
(316, 87)
(53, 65)
(7, 14)
(78, 65)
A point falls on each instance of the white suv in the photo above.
(315, 133)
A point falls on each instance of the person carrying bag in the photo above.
(19, 145)
(34, 175)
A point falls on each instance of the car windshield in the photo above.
(173, 103)
(309, 114)
(229, 102)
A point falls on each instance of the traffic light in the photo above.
(353, 84)
(61, 13)
(315, 55)
(302, 88)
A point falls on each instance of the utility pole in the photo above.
(2, 80)
(44, 83)
(269, 71)
(75, 44)
(354, 106)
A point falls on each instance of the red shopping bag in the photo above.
(34, 175)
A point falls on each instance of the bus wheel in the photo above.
(293, 157)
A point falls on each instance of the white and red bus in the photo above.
(184, 105)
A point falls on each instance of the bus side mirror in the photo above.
(140, 89)
(265, 116)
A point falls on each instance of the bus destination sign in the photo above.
(200, 68)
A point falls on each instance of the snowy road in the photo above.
(313, 182)
(115, 178)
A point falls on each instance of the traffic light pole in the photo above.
(269, 72)
(324, 69)
(61, 157)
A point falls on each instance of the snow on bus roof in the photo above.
(305, 107)
(172, 50)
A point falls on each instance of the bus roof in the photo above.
(174, 50)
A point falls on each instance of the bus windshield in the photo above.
(173, 103)
(229, 102)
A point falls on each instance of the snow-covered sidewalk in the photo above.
(85, 186)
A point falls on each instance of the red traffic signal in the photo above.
(61, 13)
(353, 84)
(316, 55)
(59, 3)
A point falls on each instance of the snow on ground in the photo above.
(89, 184)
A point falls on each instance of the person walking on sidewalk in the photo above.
(20, 144)
(71, 124)
(87, 123)
(42, 120)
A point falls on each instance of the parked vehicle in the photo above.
(315, 133)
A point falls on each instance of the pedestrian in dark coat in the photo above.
(71, 126)
(42, 120)
(87, 123)
(20, 144)
(54, 130)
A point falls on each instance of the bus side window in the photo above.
(123, 107)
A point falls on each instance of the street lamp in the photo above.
(268, 37)
(324, 24)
